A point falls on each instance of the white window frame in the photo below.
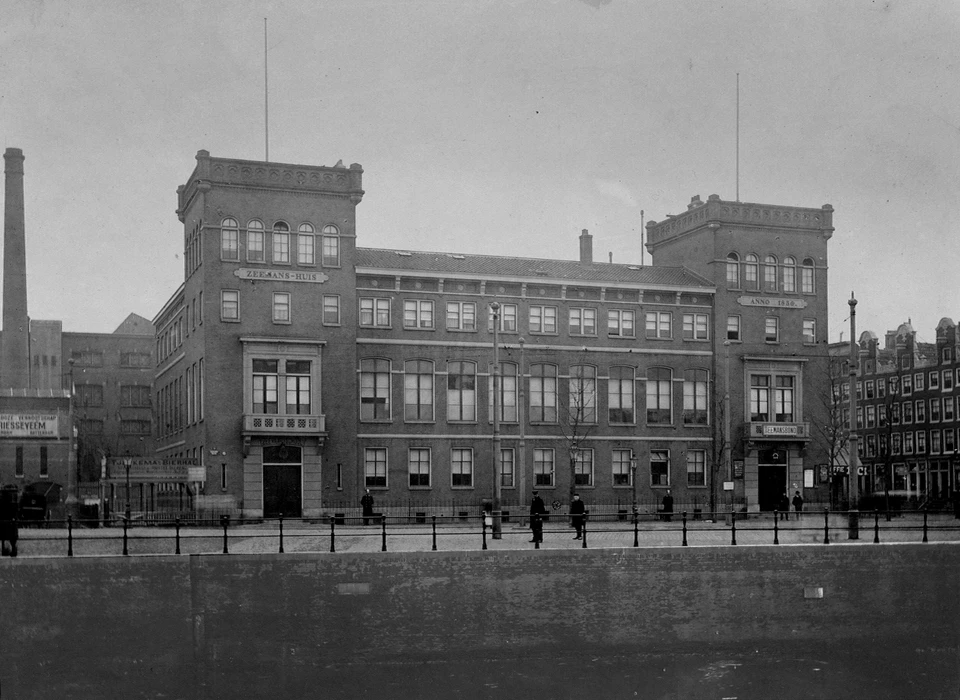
(418, 314)
(235, 303)
(331, 305)
(462, 457)
(377, 309)
(696, 326)
(371, 478)
(621, 323)
(543, 320)
(282, 308)
(461, 316)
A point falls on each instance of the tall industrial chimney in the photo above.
(14, 346)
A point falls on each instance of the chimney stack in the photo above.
(14, 346)
(586, 247)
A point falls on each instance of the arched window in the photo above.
(770, 273)
(807, 276)
(418, 390)
(255, 238)
(229, 239)
(620, 395)
(751, 272)
(543, 393)
(330, 246)
(583, 395)
(508, 393)
(374, 389)
(695, 397)
(305, 245)
(789, 274)
(281, 243)
(659, 405)
(733, 270)
(461, 391)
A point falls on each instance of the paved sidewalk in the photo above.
(301, 536)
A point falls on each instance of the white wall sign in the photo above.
(29, 425)
(773, 302)
(254, 274)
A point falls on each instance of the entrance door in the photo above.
(282, 482)
(771, 477)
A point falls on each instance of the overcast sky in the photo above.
(490, 127)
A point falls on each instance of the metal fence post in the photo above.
(584, 544)
(434, 533)
(483, 529)
(176, 524)
(125, 523)
(684, 516)
(70, 536)
(333, 547)
(826, 526)
(776, 528)
(733, 526)
(876, 526)
(281, 533)
(383, 525)
(225, 521)
(924, 524)
(636, 529)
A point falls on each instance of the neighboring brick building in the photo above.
(300, 369)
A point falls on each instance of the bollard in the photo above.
(176, 524)
(826, 526)
(537, 526)
(733, 527)
(333, 547)
(584, 543)
(636, 531)
(225, 521)
(281, 533)
(483, 529)
(876, 527)
(69, 535)
(776, 528)
(434, 533)
(853, 525)
(383, 531)
(684, 516)
(126, 520)
(924, 524)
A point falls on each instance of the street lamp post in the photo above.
(497, 477)
(127, 463)
(633, 479)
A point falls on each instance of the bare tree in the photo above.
(578, 413)
(832, 429)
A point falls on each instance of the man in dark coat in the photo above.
(784, 506)
(537, 511)
(367, 504)
(577, 514)
(798, 503)
(668, 507)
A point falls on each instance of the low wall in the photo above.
(184, 623)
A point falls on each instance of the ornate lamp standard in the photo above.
(497, 476)
(633, 480)
(127, 463)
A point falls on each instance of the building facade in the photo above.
(300, 370)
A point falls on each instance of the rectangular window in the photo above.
(783, 399)
(620, 323)
(583, 468)
(695, 326)
(229, 305)
(417, 313)
(461, 391)
(135, 395)
(935, 442)
(918, 381)
(934, 410)
(583, 321)
(947, 380)
(659, 408)
(871, 445)
(809, 331)
(375, 467)
(230, 244)
(543, 319)
(621, 463)
(659, 324)
(871, 416)
(89, 394)
(907, 411)
(543, 393)
(330, 250)
(806, 279)
(733, 328)
(506, 468)
(281, 247)
(921, 411)
(907, 385)
(134, 427)
(759, 398)
(461, 316)
(508, 319)
(948, 440)
(91, 426)
(508, 393)
(620, 403)
(934, 379)
(461, 467)
(896, 444)
(583, 395)
(305, 246)
(374, 312)
(44, 464)
(255, 246)
(281, 307)
(266, 386)
(331, 310)
(298, 387)
(659, 468)
(908, 443)
(543, 467)
(134, 359)
(868, 388)
(695, 397)
(418, 467)
(18, 462)
(696, 468)
(374, 389)
(948, 409)
(771, 329)
(418, 390)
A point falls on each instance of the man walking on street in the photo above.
(367, 504)
(577, 514)
(537, 511)
(798, 504)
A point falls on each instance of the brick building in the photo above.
(300, 369)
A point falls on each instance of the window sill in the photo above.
(230, 320)
(419, 328)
